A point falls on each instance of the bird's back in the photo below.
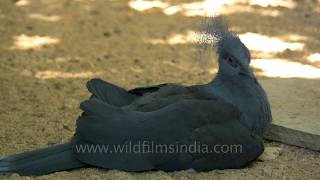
(166, 95)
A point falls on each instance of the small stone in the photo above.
(117, 30)
(219, 171)
(66, 127)
(74, 60)
(29, 28)
(51, 143)
(307, 15)
(270, 153)
(14, 175)
(136, 61)
(106, 34)
(107, 56)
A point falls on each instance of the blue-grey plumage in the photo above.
(232, 109)
(235, 81)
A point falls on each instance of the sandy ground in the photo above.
(41, 86)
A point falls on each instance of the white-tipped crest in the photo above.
(214, 33)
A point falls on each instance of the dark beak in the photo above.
(245, 72)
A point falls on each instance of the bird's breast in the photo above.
(250, 98)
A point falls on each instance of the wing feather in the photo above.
(209, 122)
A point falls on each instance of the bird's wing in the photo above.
(148, 89)
(139, 99)
(109, 93)
(115, 95)
(166, 95)
(115, 135)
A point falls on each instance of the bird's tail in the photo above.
(40, 162)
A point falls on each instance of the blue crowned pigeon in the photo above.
(165, 127)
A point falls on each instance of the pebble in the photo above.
(270, 153)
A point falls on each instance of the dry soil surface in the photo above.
(42, 80)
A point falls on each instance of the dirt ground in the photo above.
(43, 82)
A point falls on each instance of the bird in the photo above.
(164, 121)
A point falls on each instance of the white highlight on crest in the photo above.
(24, 42)
(284, 68)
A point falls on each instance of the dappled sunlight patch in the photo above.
(184, 38)
(241, 8)
(83, 1)
(202, 8)
(274, 3)
(293, 37)
(24, 42)
(262, 43)
(42, 17)
(211, 7)
(213, 70)
(256, 42)
(59, 74)
(142, 5)
(284, 68)
(22, 2)
(314, 57)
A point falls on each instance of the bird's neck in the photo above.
(223, 82)
(247, 95)
(235, 90)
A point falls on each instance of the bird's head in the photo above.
(233, 56)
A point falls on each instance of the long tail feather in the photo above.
(40, 162)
